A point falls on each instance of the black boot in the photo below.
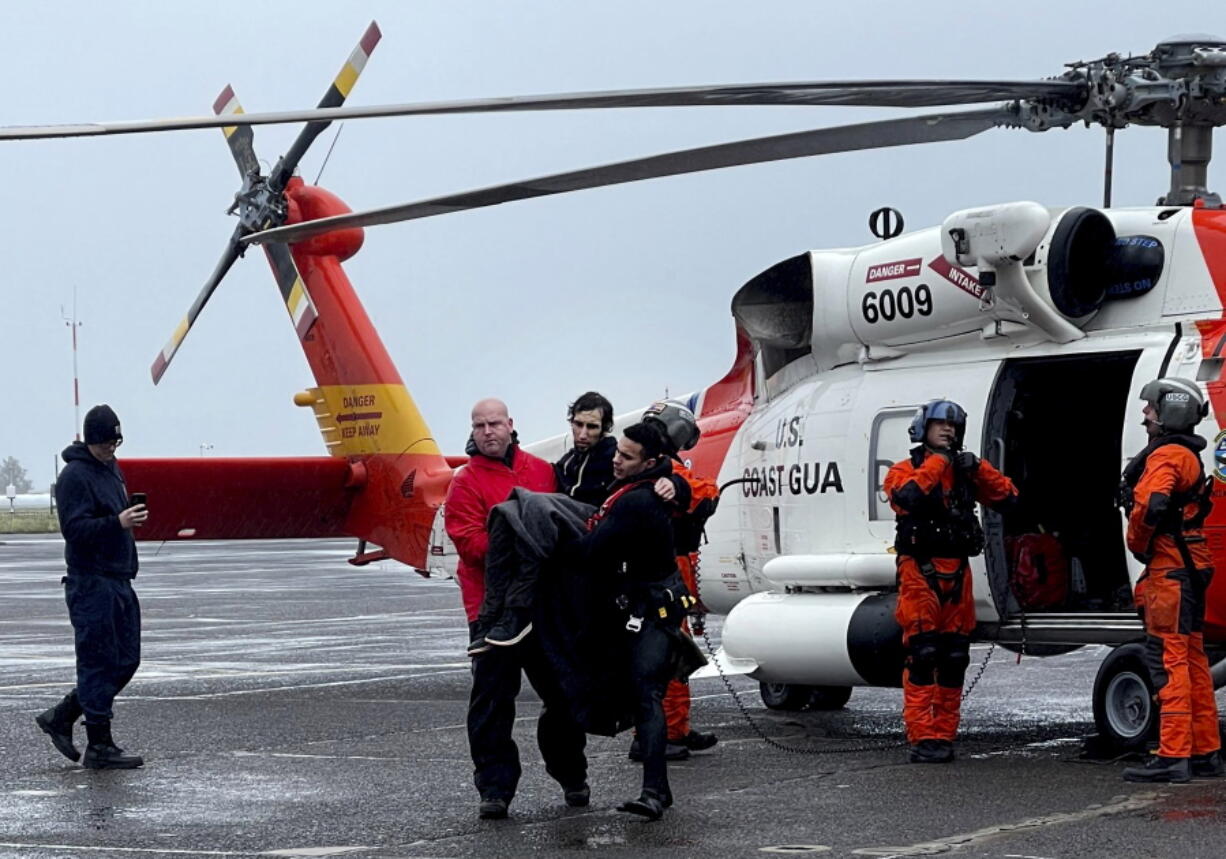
(579, 796)
(493, 808)
(1208, 766)
(673, 751)
(931, 752)
(1160, 769)
(103, 754)
(512, 627)
(697, 742)
(649, 804)
(58, 722)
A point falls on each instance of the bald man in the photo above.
(496, 466)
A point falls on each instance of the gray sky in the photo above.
(625, 290)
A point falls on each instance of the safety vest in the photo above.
(949, 528)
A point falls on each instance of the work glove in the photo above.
(966, 462)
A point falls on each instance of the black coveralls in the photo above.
(491, 717)
(101, 558)
(631, 547)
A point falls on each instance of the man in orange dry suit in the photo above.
(680, 429)
(934, 493)
(1166, 497)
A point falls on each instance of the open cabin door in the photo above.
(1059, 428)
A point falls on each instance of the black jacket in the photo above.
(636, 530)
(90, 496)
(586, 475)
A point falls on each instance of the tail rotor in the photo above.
(261, 203)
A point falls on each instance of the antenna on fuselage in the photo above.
(886, 223)
(335, 138)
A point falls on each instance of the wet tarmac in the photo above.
(292, 705)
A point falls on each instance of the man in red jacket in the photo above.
(497, 466)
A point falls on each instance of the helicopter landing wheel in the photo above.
(1125, 711)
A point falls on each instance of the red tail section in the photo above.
(365, 414)
(722, 408)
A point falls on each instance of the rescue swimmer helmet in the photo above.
(678, 423)
(1178, 402)
(938, 410)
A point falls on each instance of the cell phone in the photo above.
(138, 498)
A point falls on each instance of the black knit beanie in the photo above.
(102, 425)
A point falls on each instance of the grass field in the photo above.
(29, 522)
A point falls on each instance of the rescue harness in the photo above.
(941, 530)
(1171, 521)
(662, 599)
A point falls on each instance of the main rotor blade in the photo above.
(900, 93)
(334, 97)
(930, 128)
(232, 252)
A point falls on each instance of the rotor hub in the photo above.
(1184, 55)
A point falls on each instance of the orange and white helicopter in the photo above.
(1044, 323)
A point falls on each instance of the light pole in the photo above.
(76, 387)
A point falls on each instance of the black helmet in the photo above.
(1179, 403)
(678, 423)
(938, 410)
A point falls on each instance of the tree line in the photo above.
(11, 472)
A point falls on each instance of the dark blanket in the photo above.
(580, 627)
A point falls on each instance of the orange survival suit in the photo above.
(1167, 513)
(687, 533)
(937, 532)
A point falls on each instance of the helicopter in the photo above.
(1014, 310)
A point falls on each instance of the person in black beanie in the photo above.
(96, 520)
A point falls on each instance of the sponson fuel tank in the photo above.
(828, 639)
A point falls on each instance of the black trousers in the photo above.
(651, 667)
(105, 617)
(491, 719)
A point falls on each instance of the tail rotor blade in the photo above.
(334, 97)
(232, 252)
(238, 137)
(929, 128)
(302, 312)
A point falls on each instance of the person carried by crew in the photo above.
(498, 465)
(97, 518)
(934, 492)
(681, 433)
(1166, 497)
